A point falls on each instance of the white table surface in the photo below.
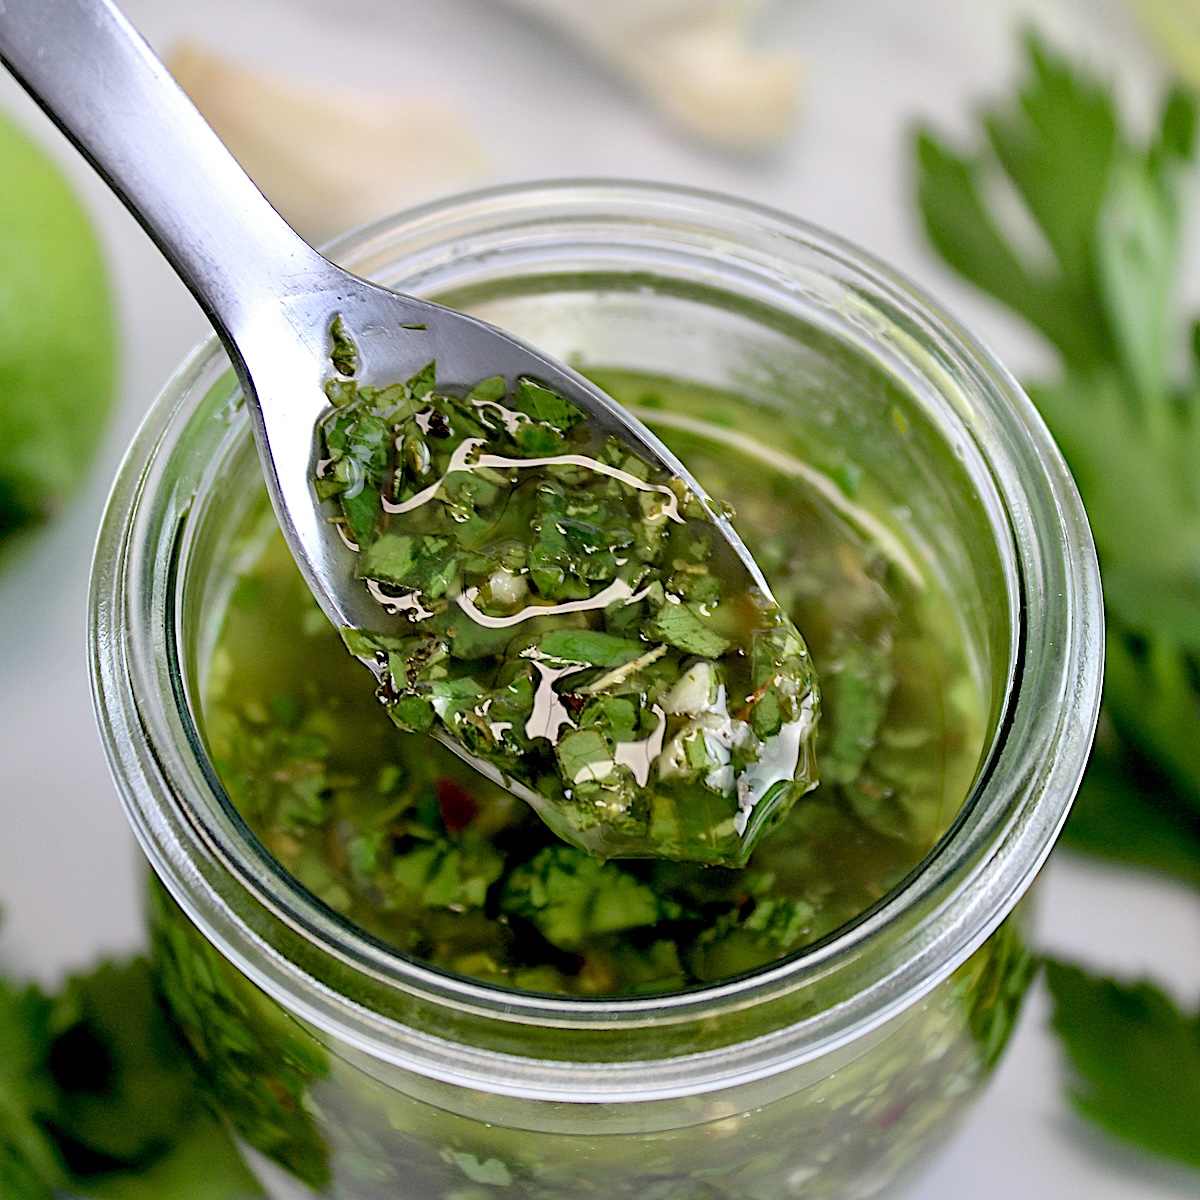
(68, 865)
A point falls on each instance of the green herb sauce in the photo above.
(568, 616)
(392, 830)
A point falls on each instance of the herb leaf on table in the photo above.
(1096, 277)
(1075, 225)
(1128, 811)
(30, 1164)
(1136, 1059)
(98, 1097)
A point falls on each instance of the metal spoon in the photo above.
(270, 296)
(282, 310)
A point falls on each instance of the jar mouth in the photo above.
(267, 924)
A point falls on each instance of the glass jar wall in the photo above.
(353, 1069)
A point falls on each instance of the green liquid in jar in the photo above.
(394, 832)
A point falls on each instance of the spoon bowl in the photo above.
(394, 337)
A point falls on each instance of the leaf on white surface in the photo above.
(330, 160)
(693, 58)
(1135, 1059)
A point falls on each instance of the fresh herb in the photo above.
(762, 928)
(447, 874)
(1093, 268)
(556, 608)
(126, 1089)
(573, 898)
(1130, 811)
(1136, 1060)
(98, 1096)
(344, 354)
(31, 1165)
(57, 338)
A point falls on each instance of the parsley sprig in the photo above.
(1091, 263)
(98, 1097)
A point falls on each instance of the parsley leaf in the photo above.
(738, 942)
(589, 646)
(584, 755)
(98, 1097)
(125, 1088)
(443, 875)
(545, 406)
(344, 354)
(203, 1165)
(30, 1164)
(1105, 213)
(571, 897)
(680, 625)
(1136, 1060)
(1107, 217)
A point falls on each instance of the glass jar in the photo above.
(351, 1070)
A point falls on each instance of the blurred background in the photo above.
(347, 109)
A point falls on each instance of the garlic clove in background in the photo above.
(693, 58)
(330, 160)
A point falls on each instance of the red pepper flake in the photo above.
(458, 805)
(754, 698)
(284, 1098)
(892, 1114)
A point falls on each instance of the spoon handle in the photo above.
(99, 81)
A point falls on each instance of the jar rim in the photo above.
(953, 900)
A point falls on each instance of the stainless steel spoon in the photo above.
(269, 295)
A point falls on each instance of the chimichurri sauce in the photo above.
(393, 831)
(570, 616)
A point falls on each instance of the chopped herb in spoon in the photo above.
(568, 618)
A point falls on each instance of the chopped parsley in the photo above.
(573, 898)
(560, 612)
